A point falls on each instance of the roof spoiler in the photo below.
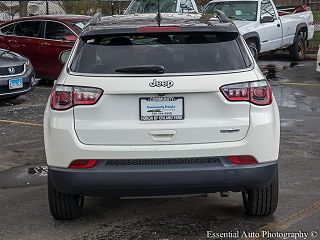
(222, 17)
(206, 17)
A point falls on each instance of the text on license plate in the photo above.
(161, 108)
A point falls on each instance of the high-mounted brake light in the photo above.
(258, 92)
(83, 164)
(159, 29)
(65, 97)
(242, 159)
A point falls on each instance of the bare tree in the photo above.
(201, 3)
(11, 10)
(23, 8)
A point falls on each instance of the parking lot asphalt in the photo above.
(24, 212)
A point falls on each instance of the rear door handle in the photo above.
(162, 135)
(278, 25)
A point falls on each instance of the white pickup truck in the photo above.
(266, 28)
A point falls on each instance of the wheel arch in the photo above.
(253, 36)
(4, 46)
(301, 27)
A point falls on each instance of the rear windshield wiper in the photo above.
(142, 69)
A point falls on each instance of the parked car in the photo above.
(42, 39)
(267, 28)
(17, 76)
(214, 124)
(166, 6)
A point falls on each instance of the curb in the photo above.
(311, 56)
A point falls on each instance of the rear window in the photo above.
(174, 52)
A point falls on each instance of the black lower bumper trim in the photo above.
(162, 181)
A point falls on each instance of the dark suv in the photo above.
(16, 75)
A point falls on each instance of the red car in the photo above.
(42, 39)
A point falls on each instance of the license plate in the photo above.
(161, 108)
(15, 83)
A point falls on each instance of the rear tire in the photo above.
(298, 49)
(262, 201)
(64, 206)
(253, 48)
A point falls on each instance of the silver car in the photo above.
(17, 76)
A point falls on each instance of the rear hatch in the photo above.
(160, 88)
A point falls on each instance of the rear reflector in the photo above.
(242, 160)
(159, 29)
(83, 164)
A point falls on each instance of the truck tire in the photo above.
(63, 206)
(253, 48)
(262, 201)
(298, 49)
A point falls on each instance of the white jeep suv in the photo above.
(141, 109)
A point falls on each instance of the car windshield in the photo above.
(235, 10)
(159, 53)
(151, 6)
(80, 24)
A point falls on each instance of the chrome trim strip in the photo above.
(230, 130)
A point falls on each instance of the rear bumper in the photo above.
(128, 180)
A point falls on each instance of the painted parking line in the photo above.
(303, 84)
(285, 223)
(21, 123)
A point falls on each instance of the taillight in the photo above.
(258, 92)
(83, 164)
(244, 159)
(65, 97)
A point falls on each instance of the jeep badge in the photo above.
(156, 83)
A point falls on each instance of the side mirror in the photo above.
(63, 57)
(267, 19)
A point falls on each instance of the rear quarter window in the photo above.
(175, 52)
(8, 30)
